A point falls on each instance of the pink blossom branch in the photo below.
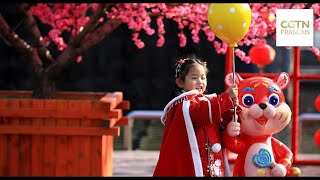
(90, 25)
(76, 46)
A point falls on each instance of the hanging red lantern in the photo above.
(317, 103)
(262, 54)
(319, 58)
(316, 137)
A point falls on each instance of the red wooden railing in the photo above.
(296, 76)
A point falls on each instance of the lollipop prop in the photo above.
(230, 22)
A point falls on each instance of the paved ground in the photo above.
(139, 163)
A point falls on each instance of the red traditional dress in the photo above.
(191, 139)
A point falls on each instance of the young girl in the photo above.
(191, 144)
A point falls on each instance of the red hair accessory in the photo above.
(178, 68)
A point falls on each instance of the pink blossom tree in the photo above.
(89, 23)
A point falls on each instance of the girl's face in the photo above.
(195, 79)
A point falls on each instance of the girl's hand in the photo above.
(233, 93)
(233, 128)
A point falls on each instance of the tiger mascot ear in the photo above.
(282, 80)
(229, 79)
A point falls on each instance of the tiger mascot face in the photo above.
(264, 109)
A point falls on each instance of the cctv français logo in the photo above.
(294, 27)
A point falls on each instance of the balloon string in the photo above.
(234, 81)
(224, 152)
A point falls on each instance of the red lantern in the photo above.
(319, 58)
(317, 103)
(316, 137)
(262, 55)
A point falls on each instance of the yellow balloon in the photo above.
(230, 22)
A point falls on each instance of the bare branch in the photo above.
(308, 5)
(99, 34)
(32, 26)
(14, 41)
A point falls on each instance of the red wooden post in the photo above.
(295, 101)
(228, 61)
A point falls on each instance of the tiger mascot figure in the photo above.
(264, 112)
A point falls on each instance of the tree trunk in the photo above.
(46, 69)
(44, 87)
